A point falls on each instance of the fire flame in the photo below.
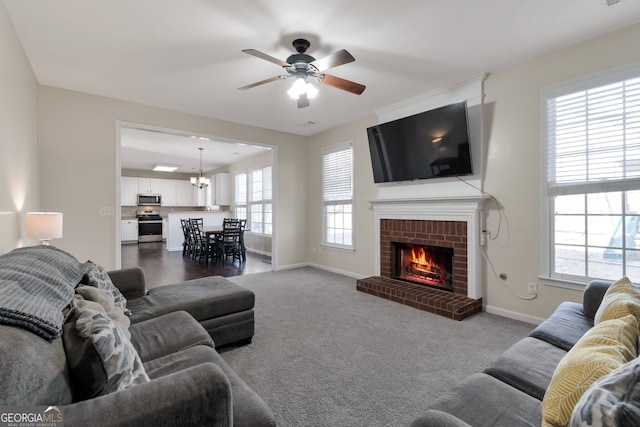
(419, 256)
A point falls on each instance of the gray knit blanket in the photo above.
(36, 284)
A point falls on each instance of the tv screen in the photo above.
(426, 145)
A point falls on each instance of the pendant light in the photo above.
(200, 181)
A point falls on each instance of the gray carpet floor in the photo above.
(325, 354)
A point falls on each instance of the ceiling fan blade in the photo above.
(303, 101)
(340, 57)
(337, 82)
(266, 57)
(261, 82)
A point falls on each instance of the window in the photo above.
(240, 198)
(592, 141)
(253, 200)
(337, 195)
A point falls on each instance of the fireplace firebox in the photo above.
(423, 264)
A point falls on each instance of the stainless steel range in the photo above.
(149, 226)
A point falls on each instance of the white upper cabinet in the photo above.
(221, 192)
(129, 191)
(169, 192)
(149, 186)
(185, 193)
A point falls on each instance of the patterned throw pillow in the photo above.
(99, 278)
(101, 358)
(603, 349)
(622, 298)
(612, 401)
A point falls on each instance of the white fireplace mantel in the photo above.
(469, 209)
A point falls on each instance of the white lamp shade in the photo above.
(44, 225)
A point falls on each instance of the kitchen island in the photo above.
(175, 236)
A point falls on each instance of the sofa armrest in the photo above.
(130, 281)
(197, 396)
(592, 297)
(435, 418)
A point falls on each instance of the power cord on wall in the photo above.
(492, 236)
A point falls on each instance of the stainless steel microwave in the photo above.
(149, 200)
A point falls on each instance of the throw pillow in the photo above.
(101, 300)
(99, 278)
(622, 298)
(601, 350)
(612, 401)
(100, 357)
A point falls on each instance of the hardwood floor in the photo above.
(163, 267)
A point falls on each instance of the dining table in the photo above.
(212, 232)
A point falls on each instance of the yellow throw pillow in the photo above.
(622, 298)
(601, 350)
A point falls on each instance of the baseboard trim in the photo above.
(322, 267)
(513, 315)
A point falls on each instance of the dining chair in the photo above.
(228, 244)
(187, 244)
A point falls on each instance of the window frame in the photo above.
(547, 271)
(264, 202)
(347, 201)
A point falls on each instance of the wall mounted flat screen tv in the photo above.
(431, 144)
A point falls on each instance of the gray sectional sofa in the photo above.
(106, 356)
(510, 392)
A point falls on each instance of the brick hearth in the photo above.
(451, 234)
(444, 303)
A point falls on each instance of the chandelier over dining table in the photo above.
(200, 181)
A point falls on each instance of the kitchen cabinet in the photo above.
(128, 191)
(129, 230)
(169, 192)
(221, 191)
(200, 196)
(184, 193)
(149, 186)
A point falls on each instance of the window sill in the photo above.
(563, 284)
(338, 248)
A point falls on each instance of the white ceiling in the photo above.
(143, 149)
(186, 55)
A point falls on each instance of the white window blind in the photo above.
(337, 182)
(593, 139)
(337, 195)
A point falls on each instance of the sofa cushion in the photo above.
(604, 348)
(167, 334)
(527, 365)
(204, 298)
(564, 327)
(101, 358)
(33, 370)
(621, 299)
(613, 400)
(481, 400)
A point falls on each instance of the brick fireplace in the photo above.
(452, 224)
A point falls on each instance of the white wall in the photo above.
(359, 263)
(512, 174)
(512, 122)
(78, 145)
(18, 144)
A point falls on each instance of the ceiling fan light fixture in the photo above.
(300, 87)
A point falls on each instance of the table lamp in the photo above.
(44, 226)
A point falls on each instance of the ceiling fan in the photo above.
(300, 65)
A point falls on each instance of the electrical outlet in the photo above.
(107, 211)
(532, 289)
